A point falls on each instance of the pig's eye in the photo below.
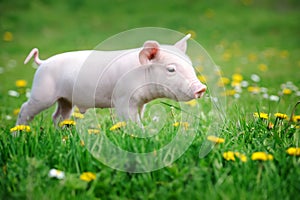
(171, 68)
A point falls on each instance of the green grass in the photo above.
(239, 37)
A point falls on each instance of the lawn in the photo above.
(254, 153)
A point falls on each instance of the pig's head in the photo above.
(171, 68)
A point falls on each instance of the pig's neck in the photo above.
(150, 90)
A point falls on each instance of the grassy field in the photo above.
(254, 43)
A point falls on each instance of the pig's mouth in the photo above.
(200, 93)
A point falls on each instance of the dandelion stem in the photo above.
(177, 108)
(292, 114)
(259, 173)
(275, 123)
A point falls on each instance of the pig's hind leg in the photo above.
(63, 110)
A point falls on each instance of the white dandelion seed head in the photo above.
(265, 96)
(54, 173)
(13, 93)
(255, 78)
(274, 98)
(283, 86)
(244, 84)
(236, 96)
(238, 89)
(289, 85)
(60, 174)
(28, 94)
(263, 90)
(8, 117)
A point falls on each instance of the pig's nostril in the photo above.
(200, 92)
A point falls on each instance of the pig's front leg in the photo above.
(142, 111)
(31, 108)
(129, 113)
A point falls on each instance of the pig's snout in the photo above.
(198, 90)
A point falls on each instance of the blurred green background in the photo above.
(231, 31)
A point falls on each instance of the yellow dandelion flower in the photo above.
(235, 83)
(93, 131)
(281, 116)
(78, 115)
(241, 156)
(76, 109)
(202, 78)
(8, 36)
(117, 126)
(16, 111)
(229, 155)
(284, 54)
(82, 143)
(191, 103)
(21, 83)
(226, 56)
(25, 128)
(262, 67)
(87, 176)
(176, 124)
(286, 91)
(184, 124)
(261, 156)
(296, 118)
(252, 57)
(209, 13)
(229, 93)
(261, 115)
(237, 77)
(247, 2)
(67, 122)
(223, 81)
(293, 151)
(253, 89)
(215, 139)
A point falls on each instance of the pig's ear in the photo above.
(149, 52)
(181, 44)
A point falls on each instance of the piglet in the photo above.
(123, 79)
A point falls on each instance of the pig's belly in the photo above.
(87, 99)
